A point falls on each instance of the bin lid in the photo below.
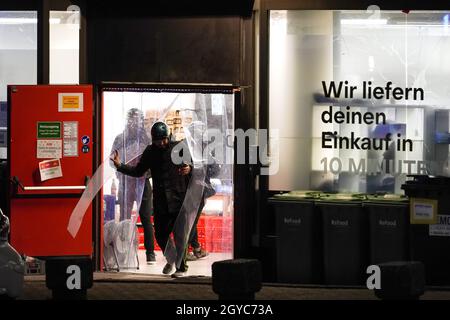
(389, 197)
(427, 180)
(341, 197)
(297, 195)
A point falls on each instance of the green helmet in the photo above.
(159, 131)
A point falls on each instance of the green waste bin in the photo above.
(389, 227)
(299, 249)
(345, 240)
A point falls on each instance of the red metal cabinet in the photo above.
(40, 210)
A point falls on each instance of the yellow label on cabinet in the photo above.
(71, 102)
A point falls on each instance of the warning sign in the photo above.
(70, 102)
(50, 169)
(70, 138)
(442, 228)
(48, 130)
(48, 149)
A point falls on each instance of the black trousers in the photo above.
(164, 221)
(145, 213)
(193, 236)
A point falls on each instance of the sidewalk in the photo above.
(127, 286)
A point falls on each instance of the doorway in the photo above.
(128, 114)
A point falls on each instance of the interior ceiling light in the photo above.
(6, 21)
(18, 20)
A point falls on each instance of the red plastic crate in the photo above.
(214, 234)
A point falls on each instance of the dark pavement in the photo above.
(123, 286)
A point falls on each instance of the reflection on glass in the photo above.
(398, 53)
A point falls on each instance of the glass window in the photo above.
(18, 49)
(64, 47)
(18, 58)
(365, 94)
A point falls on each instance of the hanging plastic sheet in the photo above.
(131, 143)
(208, 116)
(202, 116)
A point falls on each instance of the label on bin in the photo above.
(339, 223)
(423, 211)
(387, 223)
(442, 228)
(292, 221)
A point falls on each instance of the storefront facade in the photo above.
(151, 45)
(358, 95)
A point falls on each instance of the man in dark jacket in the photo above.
(170, 183)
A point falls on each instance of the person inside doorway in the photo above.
(198, 129)
(130, 144)
(170, 183)
(197, 251)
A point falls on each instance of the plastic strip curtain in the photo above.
(206, 115)
(126, 240)
(103, 174)
(130, 144)
(196, 133)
